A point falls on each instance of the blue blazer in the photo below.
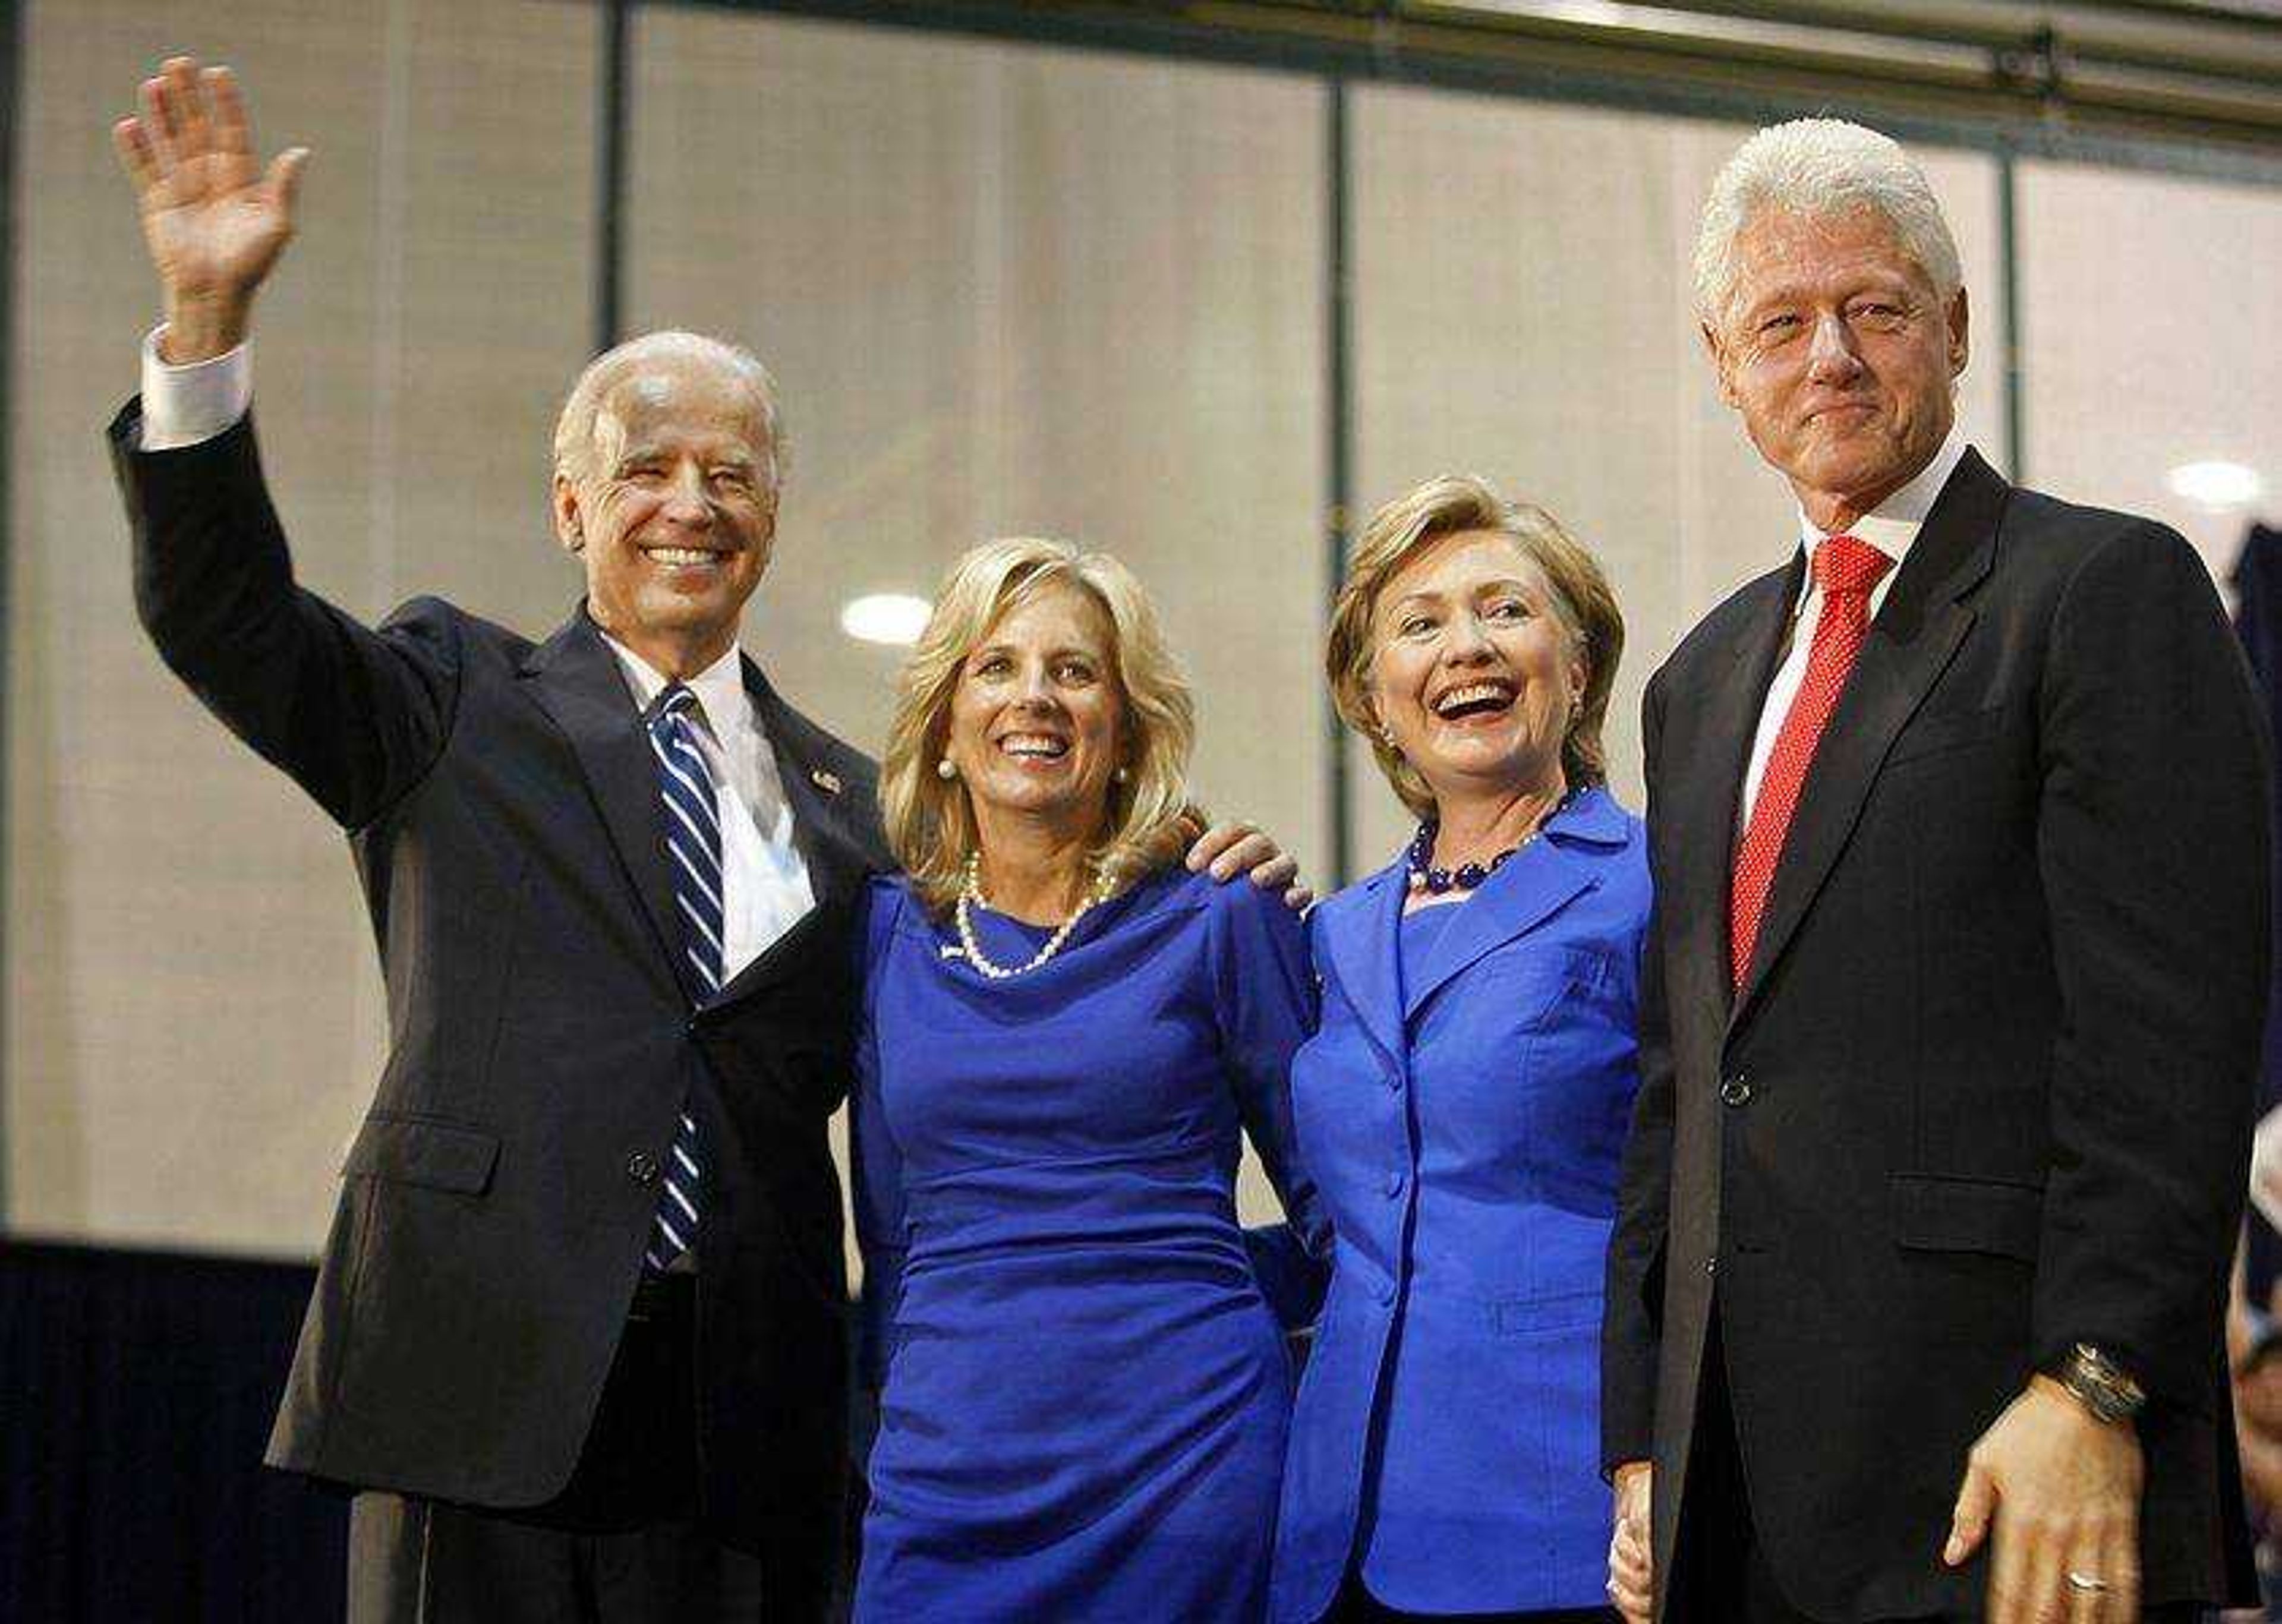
(1465, 1133)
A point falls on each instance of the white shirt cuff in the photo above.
(182, 406)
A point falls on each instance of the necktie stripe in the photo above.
(697, 875)
(698, 812)
(712, 936)
(698, 832)
(686, 768)
(692, 839)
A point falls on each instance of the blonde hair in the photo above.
(1581, 601)
(931, 823)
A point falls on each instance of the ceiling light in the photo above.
(2217, 484)
(885, 617)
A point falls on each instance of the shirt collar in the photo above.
(1893, 523)
(719, 688)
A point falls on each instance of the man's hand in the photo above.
(2062, 1488)
(1632, 1547)
(214, 221)
(1231, 849)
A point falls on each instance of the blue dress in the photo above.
(1085, 1388)
(1463, 1108)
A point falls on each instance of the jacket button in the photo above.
(642, 1168)
(1711, 1265)
(1393, 1184)
(1394, 1082)
(1386, 1292)
(1735, 1090)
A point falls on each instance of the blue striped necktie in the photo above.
(693, 842)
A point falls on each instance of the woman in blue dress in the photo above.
(1085, 1387)
(1463, 1106)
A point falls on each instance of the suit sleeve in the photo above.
(1632, 1318)
(1265, 994)
(876, 1169)
(2153, 842)
(355, 716)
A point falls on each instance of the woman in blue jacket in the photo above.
(1463, 1103)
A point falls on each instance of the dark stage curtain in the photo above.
(135, 1394)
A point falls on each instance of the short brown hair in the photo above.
(1582, 602)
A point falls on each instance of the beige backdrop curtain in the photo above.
(1007, 289)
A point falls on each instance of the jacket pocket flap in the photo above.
(1940, 733)
(414, 1152)
(1934, 1214)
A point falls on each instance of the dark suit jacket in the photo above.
(503, 811)
(1987, 1088)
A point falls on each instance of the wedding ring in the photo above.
(2085, 1581)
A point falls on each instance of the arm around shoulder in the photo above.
(1265, 990)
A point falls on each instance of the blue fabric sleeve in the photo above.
(1264, 994)
(877, 1165)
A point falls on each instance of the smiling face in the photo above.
(1037, 717)
(1840, 355)
(674, 514)
(1471, 668)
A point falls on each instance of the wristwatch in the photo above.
(2100, 1384)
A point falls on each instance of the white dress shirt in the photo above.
(764, 883)
(1890, 527)
(764, 880)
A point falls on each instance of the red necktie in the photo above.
(1845, 569)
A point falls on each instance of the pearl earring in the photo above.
(943, 770)
(1124, 775)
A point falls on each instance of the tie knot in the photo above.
(1844, 564)
(678, 700)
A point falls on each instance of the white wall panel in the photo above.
(193, 1019)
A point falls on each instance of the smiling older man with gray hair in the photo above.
(576, 1342)
(1953, 1004)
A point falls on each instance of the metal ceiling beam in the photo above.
(2120, 69)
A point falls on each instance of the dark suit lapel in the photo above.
(1706, 748)
(1912, 641)
(1536, 884)
(578, 682)
(1363, 956)
(824, 826)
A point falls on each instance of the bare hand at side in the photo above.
(1631, 1551)
(2062, 1489)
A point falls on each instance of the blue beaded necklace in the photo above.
(1467, 876)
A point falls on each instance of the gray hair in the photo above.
(574, 430)
(1823, 167)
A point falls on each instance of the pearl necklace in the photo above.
(970, 896)
(1468, 876)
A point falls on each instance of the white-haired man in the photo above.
(1954, 999)
(578, 1335)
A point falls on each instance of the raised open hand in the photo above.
(216, 221)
